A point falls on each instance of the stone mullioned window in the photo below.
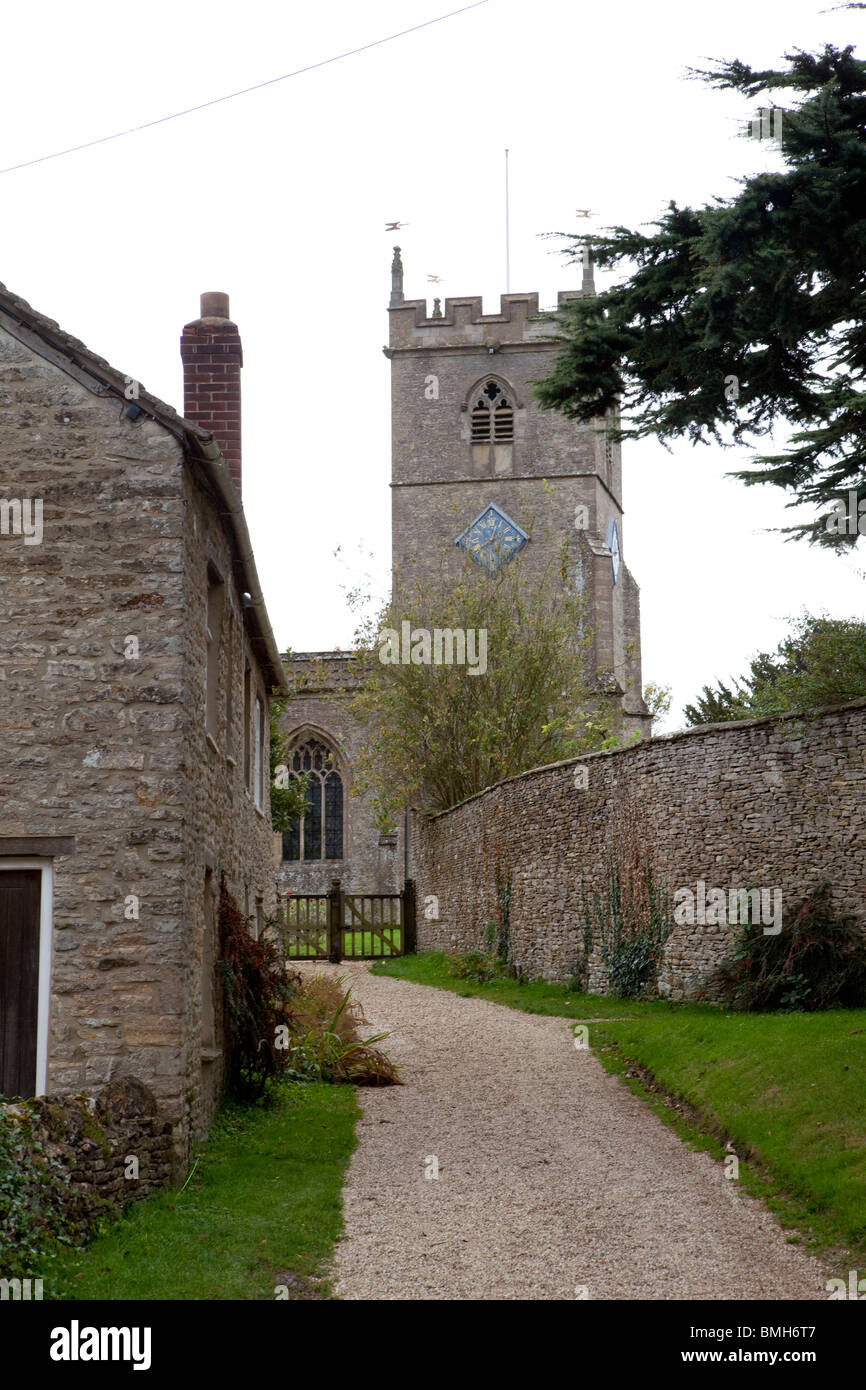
(319, 832)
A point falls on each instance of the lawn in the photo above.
(305, 927)
(787, 1090)
(263, 1202)
(356, 944)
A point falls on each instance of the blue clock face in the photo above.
(613, 547)
(492, 538)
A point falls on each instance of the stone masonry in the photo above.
(135, 646)
(560, 482)
(773, 804)
(373, 860)
(110, 1149)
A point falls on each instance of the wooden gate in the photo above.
(339, 926)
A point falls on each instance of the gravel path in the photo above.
(553, 1178)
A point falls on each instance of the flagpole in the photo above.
(507, 238)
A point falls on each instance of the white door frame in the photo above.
(46, 923)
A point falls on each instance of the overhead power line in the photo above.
(257, 87)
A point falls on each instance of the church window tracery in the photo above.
(319, 832)
(492, 416)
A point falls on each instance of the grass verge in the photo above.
(261, 1209)
(788, 1091)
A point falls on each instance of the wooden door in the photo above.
(19, 979)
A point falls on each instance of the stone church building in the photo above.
(136, 662)
(477, 467)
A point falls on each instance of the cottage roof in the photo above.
(45, 337)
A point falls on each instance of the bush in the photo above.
(478, 966)
(538, 709)
(324, 1044)
(817, 961)
(257, 992)
(640, 920)
(631, 965)
(279, 1022)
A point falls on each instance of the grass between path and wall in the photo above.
(260, 1209)
(787, 1090)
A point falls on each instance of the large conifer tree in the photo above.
(750, 311)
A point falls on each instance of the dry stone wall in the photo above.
(759, 804)
(107, 1150)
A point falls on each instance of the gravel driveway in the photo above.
(554, 1181)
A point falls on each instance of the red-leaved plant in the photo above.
(257, 993)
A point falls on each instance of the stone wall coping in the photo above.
(319, 656)
(699, 730)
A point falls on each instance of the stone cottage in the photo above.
(136, 661)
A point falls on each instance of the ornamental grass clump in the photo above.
(324, 1044)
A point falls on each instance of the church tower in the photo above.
(478, 466)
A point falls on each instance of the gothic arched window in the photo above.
(319, 832)
(492, 416)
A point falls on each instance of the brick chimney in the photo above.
(212, 356)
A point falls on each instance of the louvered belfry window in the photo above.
(492, 416)
(319, 832)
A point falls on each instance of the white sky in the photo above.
(280, 197)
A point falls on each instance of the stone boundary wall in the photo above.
(772, 803)
(91, 1138)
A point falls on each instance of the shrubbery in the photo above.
(477, 966)
(257, 993)
(817, 961)
(281, 1023)
(494, 962)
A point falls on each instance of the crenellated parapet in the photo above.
(463, 322)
